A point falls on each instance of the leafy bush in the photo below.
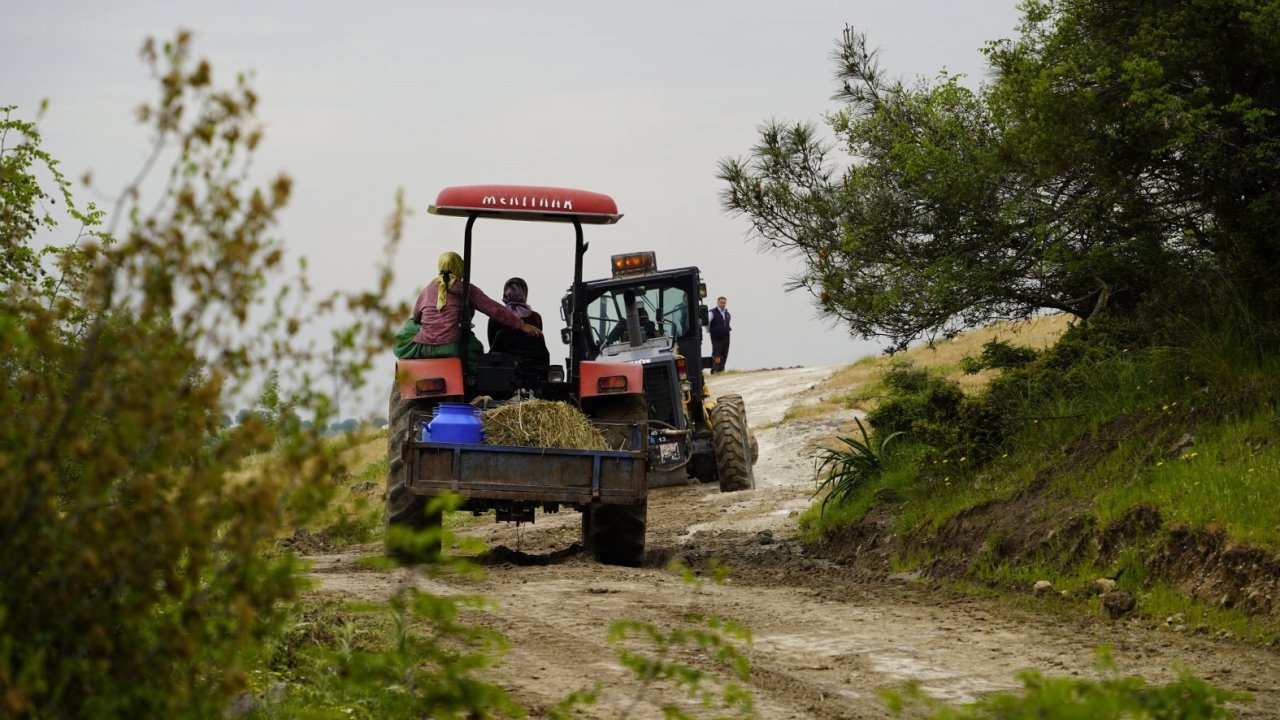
(975, 427)
(932, 410)
(913, 395)
(897, 413)
(998, 355)
(134, 582)
(905, 378)
(905, 402)
(1085, 344)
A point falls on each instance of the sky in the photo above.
(639, 101)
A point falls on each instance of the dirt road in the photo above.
(823, 641)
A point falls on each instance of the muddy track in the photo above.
(824, 639)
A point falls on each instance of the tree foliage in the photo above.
(134, 585)
(26, 210)
(1123, 151)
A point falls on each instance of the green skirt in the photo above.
(405, 348)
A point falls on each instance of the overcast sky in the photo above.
(636, 100)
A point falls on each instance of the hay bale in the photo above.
(541, 423)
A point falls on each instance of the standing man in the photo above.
(720, 330)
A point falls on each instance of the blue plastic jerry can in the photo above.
(456, 423)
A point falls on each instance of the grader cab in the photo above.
(646, 316)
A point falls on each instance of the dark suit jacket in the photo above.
(719, 327)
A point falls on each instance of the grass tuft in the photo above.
(848, 467)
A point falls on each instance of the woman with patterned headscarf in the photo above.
(515, 295)
(438, 312)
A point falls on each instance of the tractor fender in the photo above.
(596, 379)
(429, 378)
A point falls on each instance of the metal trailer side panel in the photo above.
(499, 472)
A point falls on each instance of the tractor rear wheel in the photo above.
(732, 439)
(615, 533)
(405, 508)
(585, 539)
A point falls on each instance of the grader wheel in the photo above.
(733, 444)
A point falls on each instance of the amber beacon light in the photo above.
(634, 263)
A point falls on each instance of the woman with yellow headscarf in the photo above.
(438, 315)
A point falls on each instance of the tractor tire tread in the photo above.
(732, 440)
(403, 507)
(615, 533)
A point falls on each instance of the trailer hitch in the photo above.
(518, 514)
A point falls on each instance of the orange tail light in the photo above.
(612, 384)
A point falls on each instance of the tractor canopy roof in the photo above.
(527, 202)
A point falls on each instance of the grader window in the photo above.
(666, 308)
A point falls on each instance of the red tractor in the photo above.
(607, 486)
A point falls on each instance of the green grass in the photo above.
(842, 469)
(1139, 408)
(1111, 695)
(927, 493)
(356, 514)
(412, 656)
(1175, 611)
(1228, 477)
(1190, 432)
(816, 525)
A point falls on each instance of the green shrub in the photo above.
(134, 579)
(897, 413)
(934, 411)
(904, 378)
(911, 394)
(942, 399)
(1085, 344)
(998, 355)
